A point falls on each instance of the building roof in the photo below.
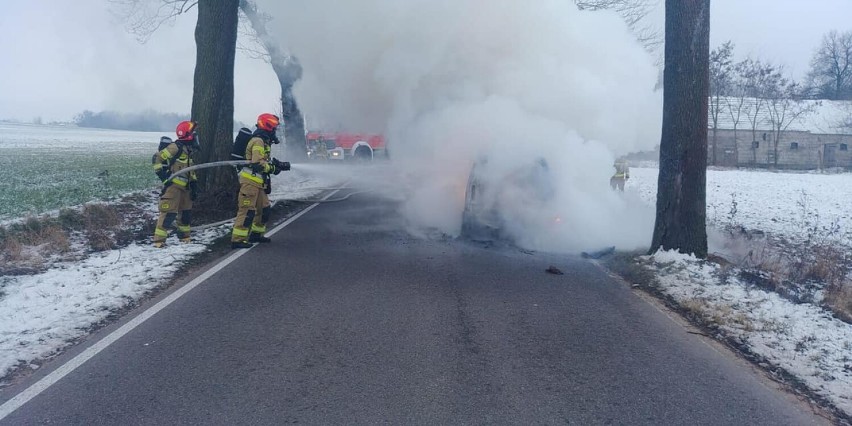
(828, 117)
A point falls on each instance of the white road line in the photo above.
(47, 381)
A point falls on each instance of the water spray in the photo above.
(237, 163)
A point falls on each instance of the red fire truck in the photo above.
(344, 146)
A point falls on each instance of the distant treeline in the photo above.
(145, 121)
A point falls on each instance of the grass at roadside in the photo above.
(31, 245)
(42, 180)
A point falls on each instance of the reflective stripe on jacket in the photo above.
(181, 162)
(257, 152)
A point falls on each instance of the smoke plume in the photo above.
(452, 81)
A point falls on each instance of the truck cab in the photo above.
(344, 146)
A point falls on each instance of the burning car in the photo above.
(503, 204)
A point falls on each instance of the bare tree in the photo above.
(213, 85)
(681, 222)
(786, 105)
(720, 84)
(143, 17)
(831, 67)
(757, 79)
(735, 104)
(845, 123)
(288, 70)
(633, 12)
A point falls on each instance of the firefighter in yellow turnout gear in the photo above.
(622, 173)
(175, 203)
(253, 207)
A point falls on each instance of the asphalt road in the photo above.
(347, 319)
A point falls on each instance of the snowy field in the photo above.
(777, 203)
(804, 339)
(77, 139)
(50, 167)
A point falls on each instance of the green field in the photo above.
(47, 169)
(44, 181)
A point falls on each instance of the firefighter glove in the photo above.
(193, 190)
(163, 174)
(271, 169)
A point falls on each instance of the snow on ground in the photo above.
(803, 339)
(14, 136)
(773, 202)
(40, 314)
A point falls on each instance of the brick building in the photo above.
(819, 140)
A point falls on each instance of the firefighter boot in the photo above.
(241, 245)
(254, 237)
(183, 226)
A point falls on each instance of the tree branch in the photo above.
(144, 17)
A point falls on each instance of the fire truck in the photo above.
(344, 146)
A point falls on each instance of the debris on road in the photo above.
(554, 270)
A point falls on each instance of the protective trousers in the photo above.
(175, 206)
(252, 199)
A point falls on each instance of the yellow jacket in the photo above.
(622, 171)
(258, 153)
(167, 155)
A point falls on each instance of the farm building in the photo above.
(746, 134)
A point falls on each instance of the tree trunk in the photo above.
(681, 185)
(294, 123)
(778, 136)
(213, 103)
(714, 146)
(288, 71)
(753, 140)
(775, 153)
(736, 148)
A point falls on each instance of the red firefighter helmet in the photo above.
(186, 130)
(267, 121)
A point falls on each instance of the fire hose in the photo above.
(206, 166)
(236, 163)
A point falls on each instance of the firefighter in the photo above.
(253, 207)
(178, 191)
(321, 149)
(622, 173)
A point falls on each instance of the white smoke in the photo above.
(450, 81)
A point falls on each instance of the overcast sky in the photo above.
(59, 57)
